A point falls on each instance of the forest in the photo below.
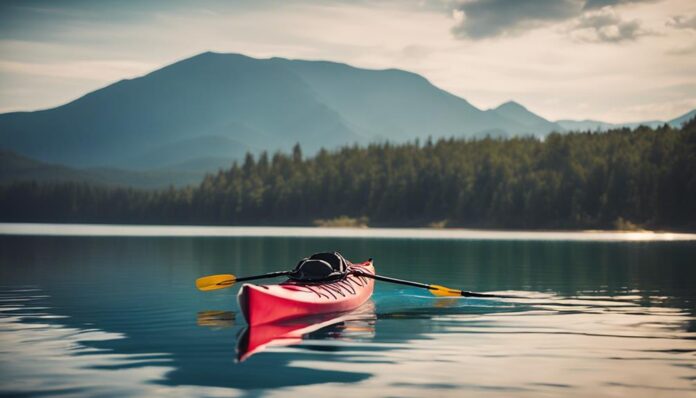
(641, 178)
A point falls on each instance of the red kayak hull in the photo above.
(262, 304)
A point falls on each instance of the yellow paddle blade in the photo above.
(214, 282)
(444, 291)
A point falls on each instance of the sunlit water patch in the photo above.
(316, 232)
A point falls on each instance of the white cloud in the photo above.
(683, 22)
(496, 18)
(605, 26)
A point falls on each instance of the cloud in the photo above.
(597, 4)
(479, 19)
(688, 50)
(683, 22)
(604, 26)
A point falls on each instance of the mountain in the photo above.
(256, 103)
(530, 123)
(15, 167)
(595, 125)
(212, 108)
(393, 104)
(679, 121)
(585, 125)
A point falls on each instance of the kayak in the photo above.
(262, 304)
(351, 325)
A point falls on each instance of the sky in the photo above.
(610, 60)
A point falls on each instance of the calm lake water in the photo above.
(120, 316)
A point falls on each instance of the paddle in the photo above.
(437, 290)
(221, 281)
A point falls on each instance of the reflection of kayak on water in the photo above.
(358, 323)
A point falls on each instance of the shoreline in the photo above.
(119, 230)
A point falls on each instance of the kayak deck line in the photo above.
(342, 287)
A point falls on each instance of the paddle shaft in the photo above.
(264, 276)
(423, 285)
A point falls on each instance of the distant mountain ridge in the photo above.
(531, 123)
(218, 106)
(595, 125)
(203, 112)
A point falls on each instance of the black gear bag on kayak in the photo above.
(321, 267)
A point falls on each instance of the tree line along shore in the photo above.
(623, 178)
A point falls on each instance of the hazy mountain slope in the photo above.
(595, 125)
(16, 168)
(191, 150)
(679, 121)
(393, 104)
(584, 125)
(530, 123)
